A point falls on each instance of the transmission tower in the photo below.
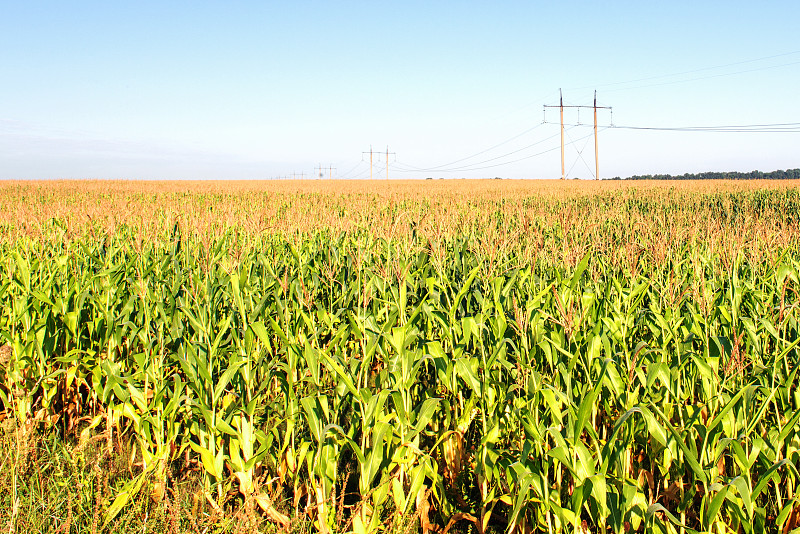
(594, 108)
(371, 152)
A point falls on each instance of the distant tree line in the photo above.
(788, 174)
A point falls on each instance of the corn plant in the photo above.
(567, 363)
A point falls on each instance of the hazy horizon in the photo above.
(259, 91)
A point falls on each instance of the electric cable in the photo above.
(693, 71)
(703, 77)
(466, 167)
(765, 128)
(440, 167)
(580, 155)
(354, 168)
(788, 127)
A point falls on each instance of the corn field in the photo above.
(617, 359)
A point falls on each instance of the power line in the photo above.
(468, 167)
(319, 169)
(693, 71)
(705, 77)
(766, 128)
(580, 156)
(529, 130)
(359, 174)
(516, 110)
(788, 127)
(371, 155)
(443, 165)
(354, 168)
(594, 108)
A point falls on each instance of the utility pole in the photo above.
(387, 162)
(561, 106)
(596, 151)
(594, 108)
(330, 172)
(371, 158)
(318, 170)
(370, 161)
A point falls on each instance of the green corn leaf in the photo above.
(654, 428)
(260, 329)
(424, 415)
(744, 492)
(128, 492)
(790, 426)
(372, 461)
(464, 370)
(23, 271)
(714, 506)
(211, 463)
(584, 465)
(599, 496)
(654, 508)
(562, 455)
(462, 293)
(524, 485)
(579, 270)
(770, 474)
(225, 427)
(587, 404)
(783, 515)
(344, 378)
(691, 457)
(225, 379)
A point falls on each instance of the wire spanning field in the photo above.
(368, 357)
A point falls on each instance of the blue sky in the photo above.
(201, 90)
